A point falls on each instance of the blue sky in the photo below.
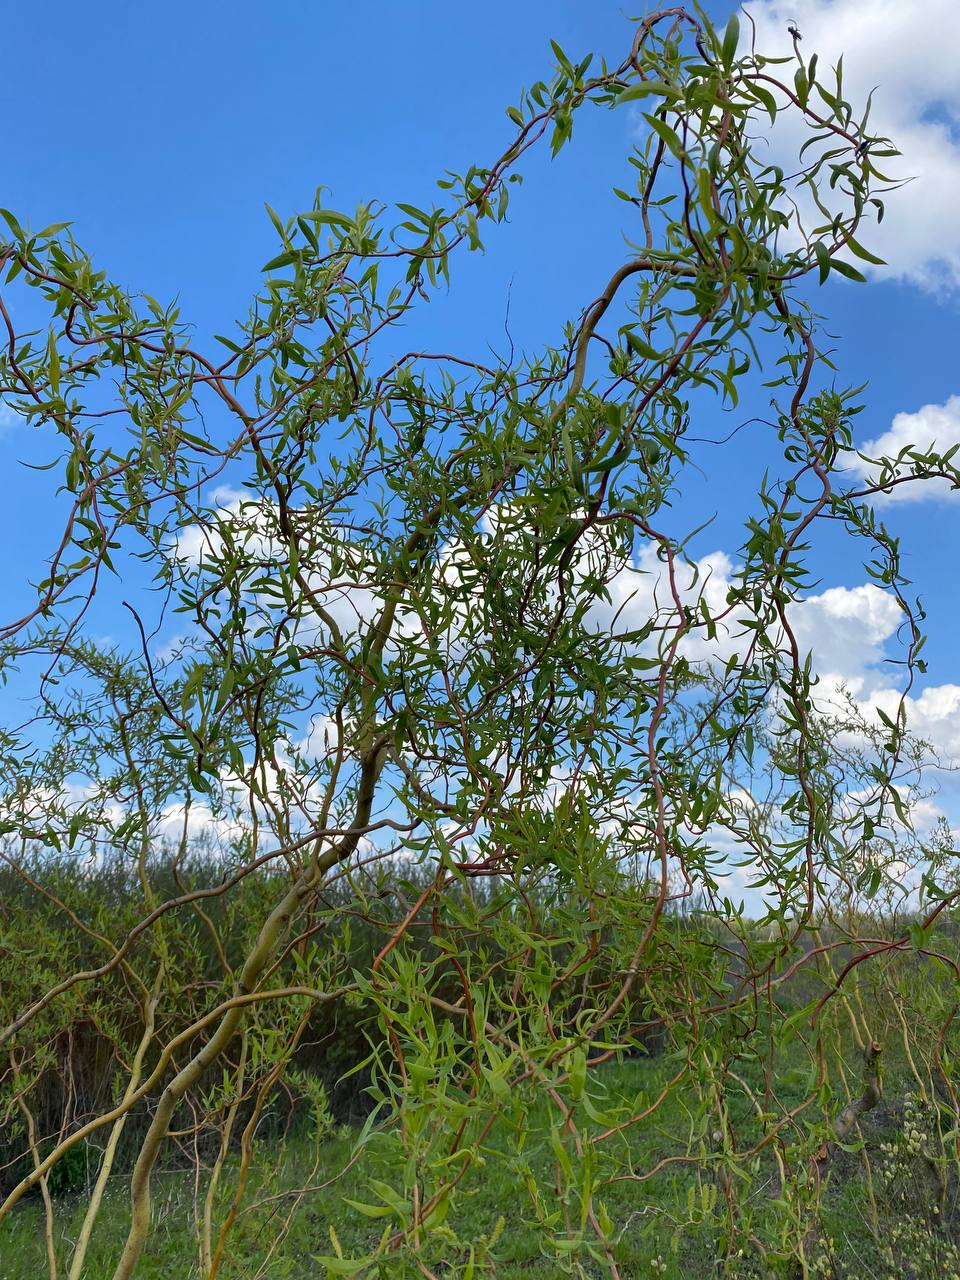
(161, 130)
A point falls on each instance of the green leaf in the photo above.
(275, 219)
(823, 259)
(12, 223)
(282, 260)
(640, 346)
(498, 1085)
(845, 269)
(765, 97)
(872, 883)
(607, 464)
(731, 38)
(859, 251)
(919, 935)
(645, 88)
(342, 1266)
(578, 1073)
(561, 57)
(561, 1152)
(329, 217)
(369, 1210)
(669, 136)
(53, 364)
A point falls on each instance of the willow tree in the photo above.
(424, 635)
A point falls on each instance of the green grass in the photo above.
(653, 1215)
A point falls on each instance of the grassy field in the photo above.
(656, 1237)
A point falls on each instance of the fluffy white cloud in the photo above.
(908, 53)
(202, 825)
(253, 522)
(846, 628)
(642, 590)
(933, 425)
(934, 715)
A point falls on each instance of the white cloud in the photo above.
(202, 824)
(9, 417)
(846, 628)
(933, 425)
(933, 715)
(909, 53)
(252, 522)
(320, 738)
(642, 590)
